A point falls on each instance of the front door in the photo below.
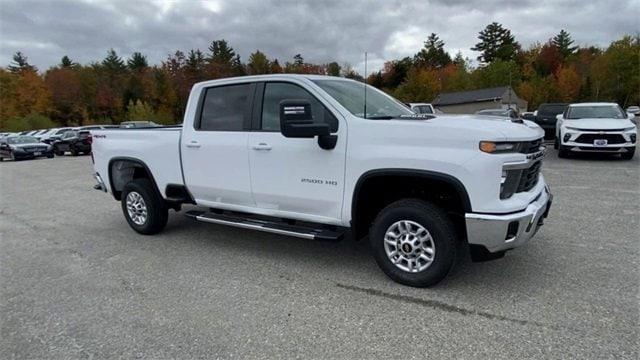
(295, 178)
(214, 148)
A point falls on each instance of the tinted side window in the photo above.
(275, 92)
(226, 108)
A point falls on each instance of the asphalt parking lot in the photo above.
(77, 282)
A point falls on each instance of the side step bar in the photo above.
(273, 227)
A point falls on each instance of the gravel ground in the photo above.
(77, 282)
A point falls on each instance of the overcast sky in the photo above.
(321, 31)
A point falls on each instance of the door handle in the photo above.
(193, 144)
(262, 146)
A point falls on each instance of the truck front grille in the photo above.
(611, 138)
(529, 177)
(530, 147)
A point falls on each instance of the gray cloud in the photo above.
(321, 31)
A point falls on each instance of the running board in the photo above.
(273, 227)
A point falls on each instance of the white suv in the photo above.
(595, 127)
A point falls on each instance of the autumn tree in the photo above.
(563, 43)
(258, 63)
(433, 53)
(549, 59)
(275, 67)
(65, 87)
(496, 43)
(422, 85)
(569, 83)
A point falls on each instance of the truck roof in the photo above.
(272, 77)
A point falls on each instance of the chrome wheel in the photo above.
(409, 246)
(136, 208)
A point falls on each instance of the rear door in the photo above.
(295, 177)
(214, 147)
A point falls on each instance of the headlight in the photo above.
(492, 147)
(571, 128)
(629, 128)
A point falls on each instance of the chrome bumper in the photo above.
(503, 232)
(100, 184)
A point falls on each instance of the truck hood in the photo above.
(598, 124)
(500, 128)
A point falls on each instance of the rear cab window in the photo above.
(226, 108)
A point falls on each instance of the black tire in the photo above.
(629, 154)
(556, 143)
(435, 221)
(57, 151)
(563, 152)
(73, 151)
(50, 156)
(157, 211)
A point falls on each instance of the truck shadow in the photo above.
(348, 260)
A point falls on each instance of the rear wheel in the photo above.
(629, 154)
(414, 242)
(73, 151)
(143, 207)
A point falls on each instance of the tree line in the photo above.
(115, 89)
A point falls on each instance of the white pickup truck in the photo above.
(302, 155)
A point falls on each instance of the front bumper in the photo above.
(498, 232)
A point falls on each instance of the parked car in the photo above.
(528, 115)
(509, 113)
(55, 135)
(423, 108)
(74, 141)
(23, 147)
(137, 124)
(546, 114)
(595, 127)
(417, 187)
(635, 110)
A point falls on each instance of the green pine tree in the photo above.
(563, 42)
(433, 53)
(496, 43)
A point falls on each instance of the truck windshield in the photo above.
(350, 94)
(597, 112)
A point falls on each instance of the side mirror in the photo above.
(630, 116)
(296, 121)
(559, 117)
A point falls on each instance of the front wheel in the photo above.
(143, 207)
(414, 242)
(563, 151)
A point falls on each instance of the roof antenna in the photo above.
(365, 84)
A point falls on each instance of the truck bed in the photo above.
(157, 148)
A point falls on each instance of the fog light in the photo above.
(566, 137)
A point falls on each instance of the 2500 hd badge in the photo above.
(319, 181)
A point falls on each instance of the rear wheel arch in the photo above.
(395, 184)
(124, 169)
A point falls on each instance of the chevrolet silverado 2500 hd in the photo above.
(303, 156)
